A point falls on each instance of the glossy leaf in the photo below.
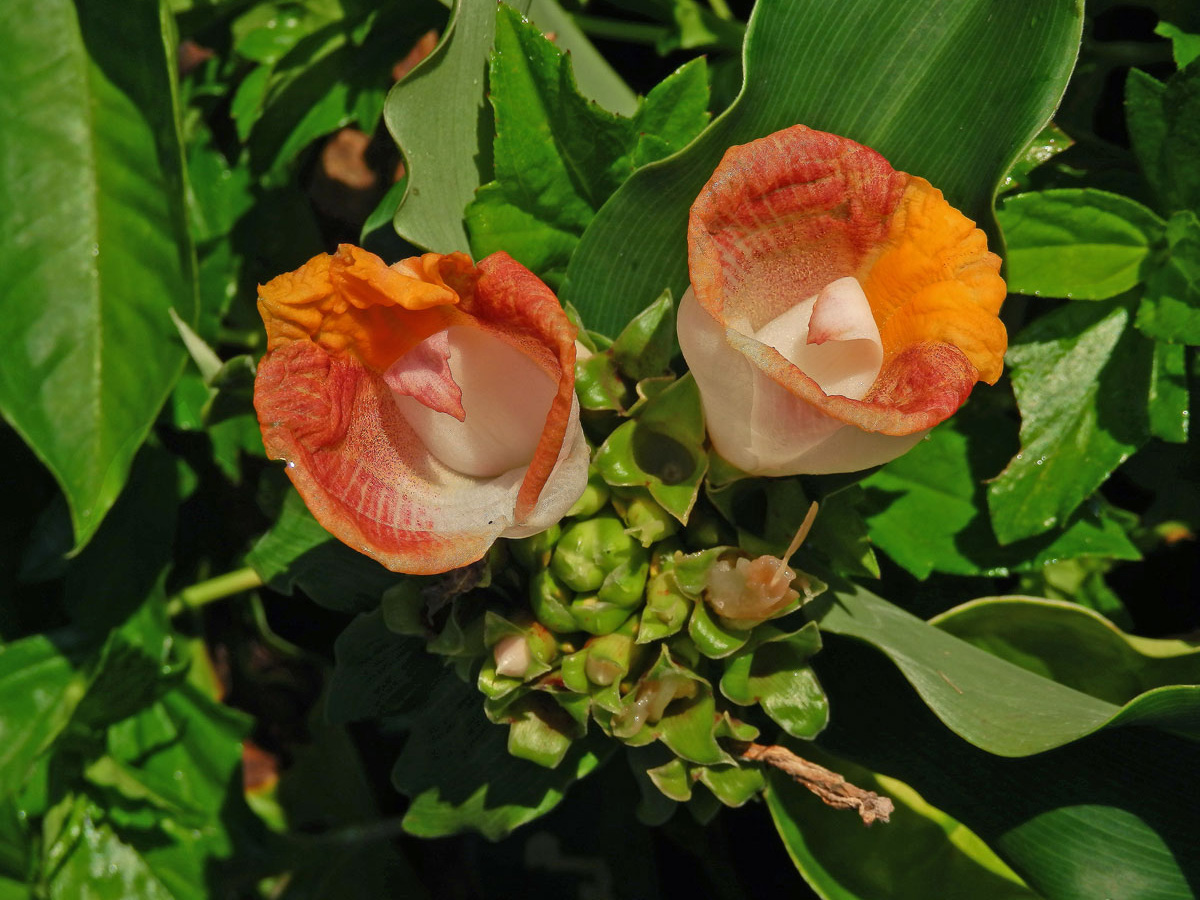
(1169, 400)
(1076, 823)
(558, 157)
(1073, 646)
(1082, 379)
(776, 675)
(298, 553)
(928, 509)
(918, 848)
(857, 72)
(997, 706)
(1081, 243)
(93, 204)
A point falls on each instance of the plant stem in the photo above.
(621, 30)
(214, 589)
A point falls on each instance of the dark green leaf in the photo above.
(908, 82)
(1049, 142)
(1164, 128)
(298, 553)
(1075, 242)
(379, 673)
(457, 770)
(1170, 307)
(1073, 646)
(1076, 823)
(776, 675)
(1169, 393)
(991, 703)
(927, 509)
(93, 203)
(1082, 380)
(919, 847)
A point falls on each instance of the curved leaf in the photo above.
(997, 706)
(1106, 816)
(908, 80)
(1073, 645)
(919, 847)
(92, 210)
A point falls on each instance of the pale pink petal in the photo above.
(423, 373)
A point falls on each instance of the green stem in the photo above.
(214, 589)
(621, 30)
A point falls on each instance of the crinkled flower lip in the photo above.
(424, 409)
(838, 308)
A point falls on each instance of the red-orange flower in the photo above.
(424, 409)
(838, 309)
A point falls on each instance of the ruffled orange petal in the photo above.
(334, 327)
(788, 214)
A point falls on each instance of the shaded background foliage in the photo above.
(176, 718)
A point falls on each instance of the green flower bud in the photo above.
(550, 600)
(610, 656)
(533, 553)
(594, 496)
(666, 608)
(644, 518)
(590, 550)
(597, 616)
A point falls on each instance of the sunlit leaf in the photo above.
(92, 205)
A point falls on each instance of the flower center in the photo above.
(831, 337)
(477, 403)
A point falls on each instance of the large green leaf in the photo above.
(1079, 243)
(919, 848)
(92, 211)
(438, 117)
(907, 79)
(1102, 817)
(1073, 646)
(994, 704)
(928, 508)
(1082, 379)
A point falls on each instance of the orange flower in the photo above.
(839, 309)
(424, 409)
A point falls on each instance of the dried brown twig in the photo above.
(832, 788)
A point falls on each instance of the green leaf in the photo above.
(989, 702)
(557, 156)
(1073, 646)
(379, 673)
(928, 509)
(1076, 823)
(1170, 307)
(1164, 128)
(298, 553)
(645, 346)
(1049, 142)
(919, 847)
(459, 775)
(775, 674)
(1075, 242)
(436, 115)
(93, 203)
(1185, 47)
(40, 688)
(597, 79)
(1169, 393)
(908, 82)
(1082, 380)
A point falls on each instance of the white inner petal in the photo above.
(506, 397)
(831, 337)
